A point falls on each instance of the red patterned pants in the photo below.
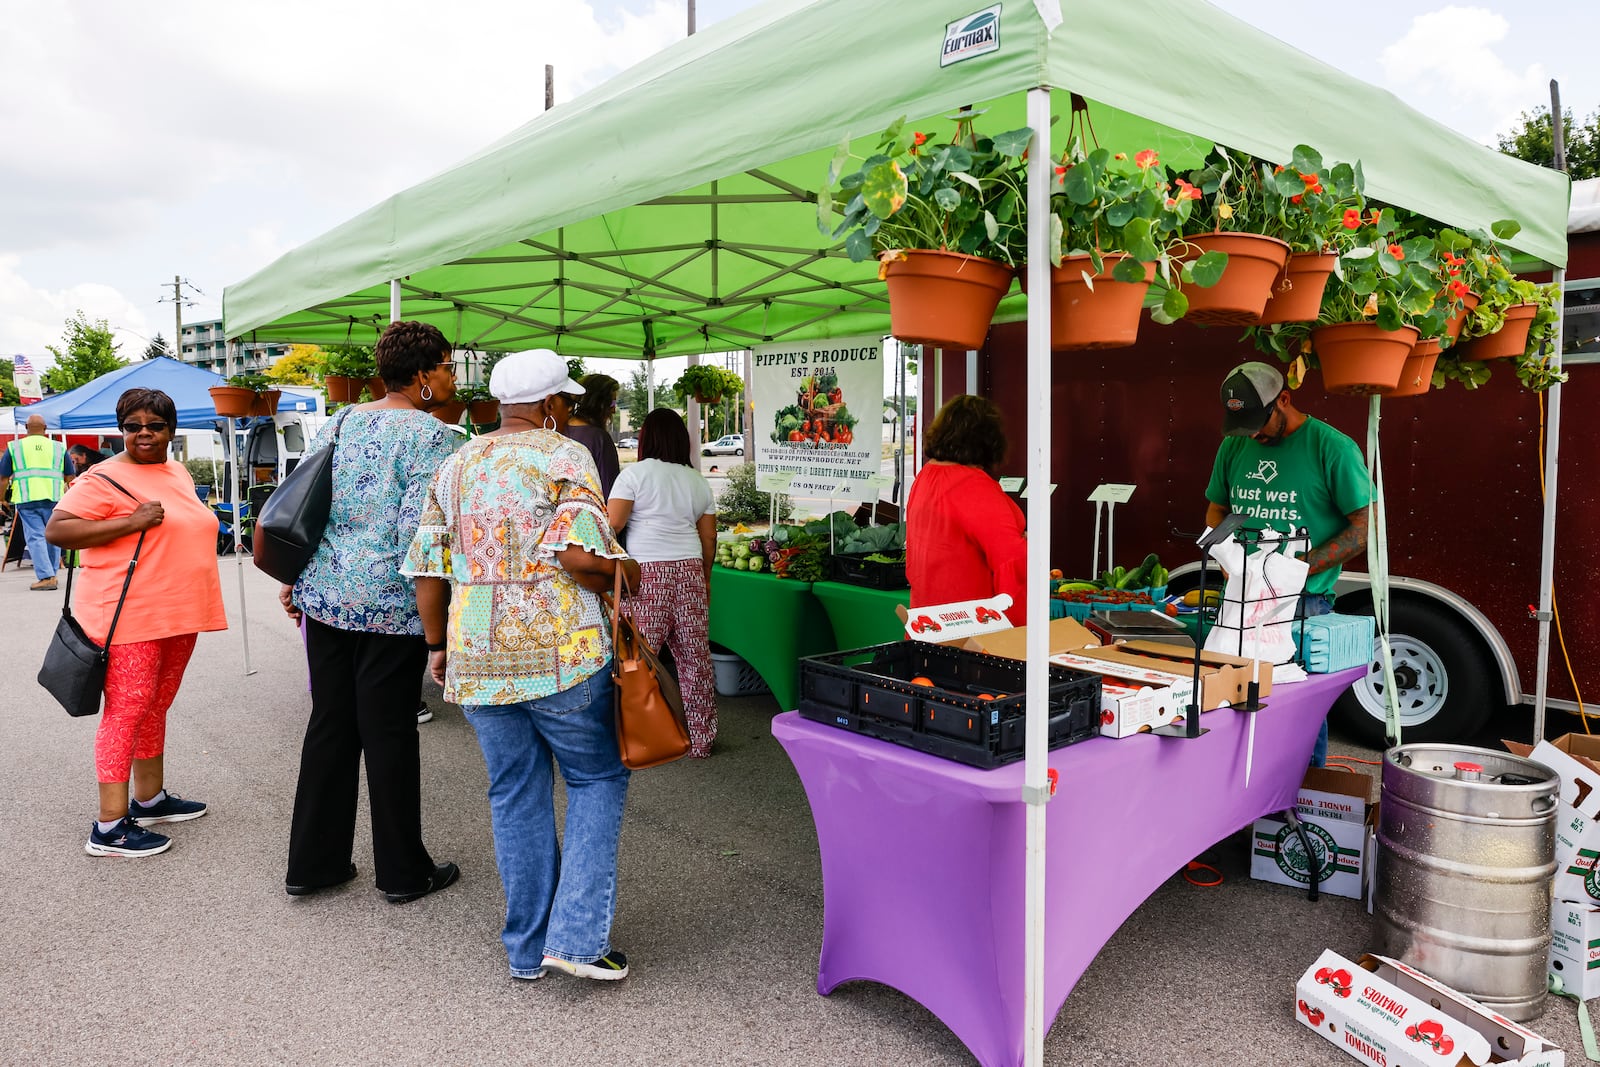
(672, 609)
(141, 679)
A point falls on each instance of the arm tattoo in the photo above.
(1342, 547)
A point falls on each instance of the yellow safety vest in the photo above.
(36, 463)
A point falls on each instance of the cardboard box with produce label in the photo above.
(1128, 669)
(1333, 808)
(1576, 758)
(1382, 1012)
(1063, 635)
(1219, 684)
(1128, 708)
(944, 624)
(1233, 672)
(1575, 947)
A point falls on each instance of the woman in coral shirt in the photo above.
(174, 595)
(965, 539)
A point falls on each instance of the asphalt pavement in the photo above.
(198, 957)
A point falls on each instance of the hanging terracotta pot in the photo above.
(340, 388)
(1416, 377)
(944, 299)
(232, 401)
(1361, 358)
(1254, 263)
(1106, 316)
(483, 412)
(1509, 340)
(707, 398)
(376, 387)
(451, 412)
(266, 403)
(1452, 326)
(1297, 294)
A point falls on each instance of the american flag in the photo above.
(23, 364)
(26, 379)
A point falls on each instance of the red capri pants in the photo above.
(142, 677)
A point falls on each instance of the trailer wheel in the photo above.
(1442, 680)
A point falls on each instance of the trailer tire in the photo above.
(1445, 686)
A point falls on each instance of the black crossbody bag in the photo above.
(290, 526)
(74, 668)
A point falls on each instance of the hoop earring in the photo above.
(426, 394)
(549, 422)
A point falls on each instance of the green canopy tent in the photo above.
(670, 210)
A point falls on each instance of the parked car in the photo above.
(727, 445)
(628, 442)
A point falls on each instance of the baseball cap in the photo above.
(1248, 393)
(529, 377)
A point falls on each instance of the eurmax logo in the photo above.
(976, 35)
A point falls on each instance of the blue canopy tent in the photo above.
(93, 406)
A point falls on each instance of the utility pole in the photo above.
(177, 316)
(691, 18)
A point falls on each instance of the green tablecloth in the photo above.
(771, 622)
(862, 616)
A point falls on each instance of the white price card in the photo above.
(879, 482)
(1052, 490)
(1011, 485)
(1112, 492)
(778, 482)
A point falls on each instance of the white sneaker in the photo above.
(611, 967)
(424, 714)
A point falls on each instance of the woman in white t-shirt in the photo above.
(671, 518)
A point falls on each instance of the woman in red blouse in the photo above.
(965, 539)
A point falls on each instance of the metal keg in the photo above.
(1466, 856)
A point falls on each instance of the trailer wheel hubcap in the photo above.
(1421, 685)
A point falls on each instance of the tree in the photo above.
(635, 398)
(88, 350)
(303, 365)
(156, 347)
(1534, 141)
(9, 397)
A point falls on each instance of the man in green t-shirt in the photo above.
(1284, 470)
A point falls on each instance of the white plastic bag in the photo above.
(1260, 598)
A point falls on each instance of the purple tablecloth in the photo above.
(923, 859)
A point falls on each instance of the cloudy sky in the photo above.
(204, 139)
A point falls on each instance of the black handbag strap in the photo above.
(72, 557)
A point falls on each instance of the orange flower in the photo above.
(1120, 155)
(1310, 179)
(1376, 216)
(1352, 219)
(1296, 199)
(1146, 159)
(1187, 191)
(1459, 290)
(919, 139)
(1397, 252)
(1171, 204)
(1061, 175)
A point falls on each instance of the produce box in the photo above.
(1383, 1012)
(1575, 947)
(870, 573)
(1065, 635)
(1179, 689)
(1128, 708)
(1333, 807)
(1574, 757)
(1114, 625)
(950, 702)
(1218, 686)
(1234, 672)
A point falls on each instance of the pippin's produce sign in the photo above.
(818, 413)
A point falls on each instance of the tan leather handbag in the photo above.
(651, 729)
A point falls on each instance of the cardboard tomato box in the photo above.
(1216, 688)
(1382, 1012)
(1064, 635)
(1130, 669)
(1575, 947)
(1333, 806)
(1128, 708)
(1576, 758)
(1233, 672)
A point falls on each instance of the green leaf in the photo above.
(1306, 160)
(1128, 269)
(990, 226)
(825, 210)
(1505, 229)
(1079, 184)
(884, 191)
(1117, 215)
(966, 179)
(1175, 304)
(1389, 316)
(947, 198)
(1013, 143)
(858, 246)
(1207, 270)
(1389, 265)
(1140, 245)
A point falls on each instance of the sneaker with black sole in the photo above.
(424, 714)
(170, 808)
(445, 874)
(611, 967)
(317, 887)
(126, 838)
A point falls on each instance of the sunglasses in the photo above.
(137, 427)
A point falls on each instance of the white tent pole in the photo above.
(1036, 788)
(394, 300)
(649, 387)
(1547, 548)
(972, 372)
(238, 551)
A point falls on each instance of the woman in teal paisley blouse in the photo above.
(363, 635)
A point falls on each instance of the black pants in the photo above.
(365, 689)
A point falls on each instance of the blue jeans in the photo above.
(559, 901)
(46, 557)
(1318, 604)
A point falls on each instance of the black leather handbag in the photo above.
(74, 670)
(291, 523)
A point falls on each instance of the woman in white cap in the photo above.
(511, 554)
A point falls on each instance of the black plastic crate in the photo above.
(870, 573)
(974, 712)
